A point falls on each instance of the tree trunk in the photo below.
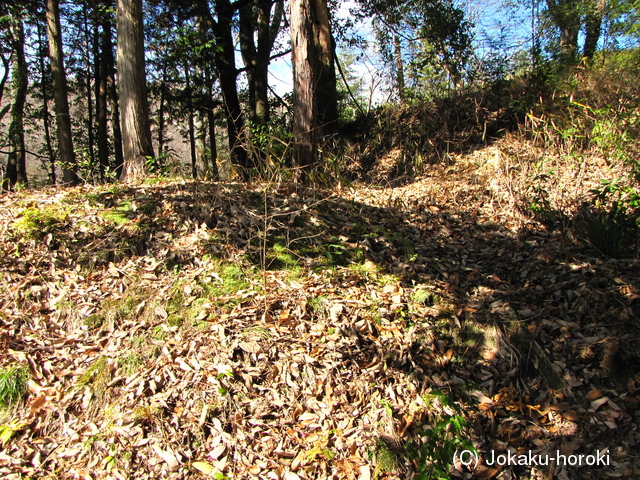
(65, 141)
(213, 149)
(225, 63)
(249, 54)
(267, 30)
(399, 67)
(211, 121)
(132, 89)
(314, 81)
(593, 27)
(565, 14)
(16, 171)
(89, 92)
(46, 116)
(100, 79)
(163, 87)
(112, 93)
(192, 134)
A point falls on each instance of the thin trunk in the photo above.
(249, 53)
(201, 140)
(89, 92)
(255, 18)
(45, 104)
(213, 149)
(16, 171)
(399, 67)
(163, 88)
(265, 44)
(211, 121)
(132, 88)
(192, 136)
(65, 141)
(326, 89)
(100, 63)
(112, 94)
(3, 81)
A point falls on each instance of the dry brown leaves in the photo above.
(300, 376)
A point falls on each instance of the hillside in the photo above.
(184, 329)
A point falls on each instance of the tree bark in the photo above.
(46, 116)
(192, 135)
(593, 27)
(249, 53)
(256, 18)
(565, 14)
(161, 107)
(397, 56)
(89, 93)
(314, 81)
(227, 75)
(100, 79)
(132, 89)
(211, 121)
(16, 171)
(112, 93)
(65, 140)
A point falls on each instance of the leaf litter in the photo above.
(190, 330)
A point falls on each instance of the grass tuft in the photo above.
(13, 385)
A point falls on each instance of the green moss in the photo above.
(175, 320)
(115, 216)
(97, 376)
(159, 333)
(423, 297)
(36, 222)
(233, 279)
(176, 299)
(281, 258)
(317, 304)
(386, 459)
(131, 363)
(94, 321)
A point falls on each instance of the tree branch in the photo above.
(346, 84)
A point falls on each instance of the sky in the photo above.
(490, 17)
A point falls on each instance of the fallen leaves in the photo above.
(143, 365)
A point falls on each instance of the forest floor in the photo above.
(184, 329)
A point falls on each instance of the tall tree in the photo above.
(256, 20)
(132, 89)
(112, 93)
(566, 15)
(225, 63)
(593, 26)
(16, 171)
(65, 140)
(432, 34)
(100, 85)
(45, 83)
(315, 109)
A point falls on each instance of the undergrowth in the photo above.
(13, 385)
